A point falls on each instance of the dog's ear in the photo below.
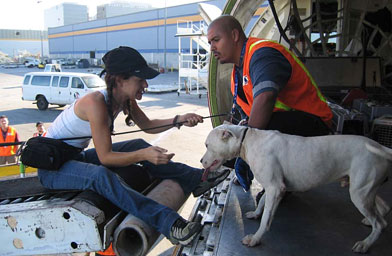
(227, 134)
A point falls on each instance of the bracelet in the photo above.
(175, 124)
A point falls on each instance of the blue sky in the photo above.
(29, 14)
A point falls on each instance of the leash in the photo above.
(119, 133)
(166, 125)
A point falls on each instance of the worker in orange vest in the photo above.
(271, 87)
(41, 131)
(9, 134)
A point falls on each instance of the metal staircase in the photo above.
(193, 52)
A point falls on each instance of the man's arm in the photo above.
(262, 108)
(269, 72)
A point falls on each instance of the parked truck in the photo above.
(346, 45)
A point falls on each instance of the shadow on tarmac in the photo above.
(28, 115)
(172, 100)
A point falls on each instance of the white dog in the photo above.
(282, 162)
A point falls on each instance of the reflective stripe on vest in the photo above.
(319, 94)
(290, 97)
(11, 136)
(36, 134)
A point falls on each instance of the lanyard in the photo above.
(236, 78)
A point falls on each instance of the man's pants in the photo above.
(298, 123)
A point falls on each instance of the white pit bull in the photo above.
(282, 162)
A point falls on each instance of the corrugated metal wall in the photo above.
(145, 31)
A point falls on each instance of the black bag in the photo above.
(47, 153)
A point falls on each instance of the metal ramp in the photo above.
(322, 221)
(193, 52)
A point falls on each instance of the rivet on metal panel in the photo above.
(40, 233)
(66, 215)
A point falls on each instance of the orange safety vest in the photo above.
(300, 93)
(11, 136)
(36, 134)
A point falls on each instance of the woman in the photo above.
(93, 169)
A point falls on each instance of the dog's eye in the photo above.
(206, 145)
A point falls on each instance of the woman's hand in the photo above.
(156, 155)
(190, 119)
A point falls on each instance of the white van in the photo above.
(58, 88)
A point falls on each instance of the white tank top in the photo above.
(69, 125)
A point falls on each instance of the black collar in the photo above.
(244, 134)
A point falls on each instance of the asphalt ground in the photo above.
(187, 143)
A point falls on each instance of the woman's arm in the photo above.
(144, 122)
(92, 108)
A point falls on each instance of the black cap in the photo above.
(125, 59)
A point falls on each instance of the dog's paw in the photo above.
(250, 240)
(252, 215)
(365, 222)
(360, 247)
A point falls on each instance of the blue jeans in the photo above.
(87, 173)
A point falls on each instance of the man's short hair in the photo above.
(3, 116)
(38, 123)
(228, 23)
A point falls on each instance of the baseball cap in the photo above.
(125, 59)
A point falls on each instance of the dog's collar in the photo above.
(242, 140)
(243, 136)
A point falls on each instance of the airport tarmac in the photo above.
(187, 143)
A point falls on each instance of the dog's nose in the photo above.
(201, 160)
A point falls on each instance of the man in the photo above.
(41, 131)
(9, 134)
(271, 87)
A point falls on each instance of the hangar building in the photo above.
(152, 32)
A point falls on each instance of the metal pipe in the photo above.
(133, 237)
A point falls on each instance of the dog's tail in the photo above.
(380, 150)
